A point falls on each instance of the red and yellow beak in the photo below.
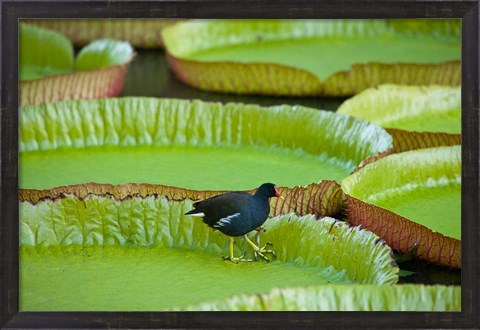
(277, 193)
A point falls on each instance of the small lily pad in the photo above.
(420, 204)
(416, 116)
(97, 252)
(313, 57)
(190, 144)
(49, 72)
(43, 52)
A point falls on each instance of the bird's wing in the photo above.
(228, 202)
(198, 207)
(222, 206)
(225, 222)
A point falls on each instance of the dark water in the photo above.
(149, 75)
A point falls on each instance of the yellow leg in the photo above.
(230, 248)
(259, 251)
(230, 254)
(257, 240)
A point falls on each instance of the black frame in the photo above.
(11, 11)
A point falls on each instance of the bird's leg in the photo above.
(257, 240)
(230, 254)
(257, 234)
(257, 250)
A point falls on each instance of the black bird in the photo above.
(236, 214)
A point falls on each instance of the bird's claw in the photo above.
(258, 253)
(237, 259)
(263, 250)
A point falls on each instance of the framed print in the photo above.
(212, 164)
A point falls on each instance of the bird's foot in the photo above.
(236, 260)
(264, 249)
(260, 252)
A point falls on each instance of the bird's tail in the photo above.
(195, 213)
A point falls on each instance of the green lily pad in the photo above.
(415, 116)
(195, 145)
(312, 57)
(344, 298)
(103, 53)
(49, 72)
(411, 108)
(420, 204)
(322, 199)
(142, 33)
(97, 252)
(43, 52)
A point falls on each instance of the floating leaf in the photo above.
(43, 52)
(168, 141)
(344, 298)
(78, 250)
(420, 204)
(323, 199)
(415, 116)
(142, 33)
(103, 53)
(312, 57)
(48, 72)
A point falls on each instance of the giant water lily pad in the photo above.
(190, 144)
(416, 116)
(344, 298)
(142, 33)
(313, 57)
(49, 72)
(411, 198)
(323, 199)
(87, 251)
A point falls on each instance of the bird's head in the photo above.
(268, 190)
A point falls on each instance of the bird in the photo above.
(236, 214)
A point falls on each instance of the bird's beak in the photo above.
(277, 193)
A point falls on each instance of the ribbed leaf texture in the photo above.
(405, 140)
(141, 33)
(371, 186)
(95, 84)
(363, 76)
(416, 116)
(153, 220)
(49, 73)
(403, 234)
(160, 122)
(344, 298)
(323, 199)
(262, 76)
